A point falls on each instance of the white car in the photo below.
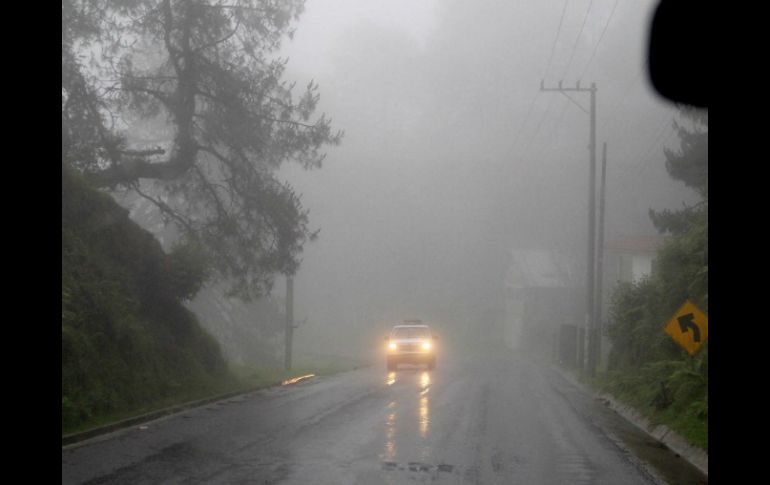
(411, 344)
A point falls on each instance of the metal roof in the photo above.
(636, 243)
(532, 268)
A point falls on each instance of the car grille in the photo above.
(409, 347)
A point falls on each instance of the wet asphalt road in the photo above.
(496, 420)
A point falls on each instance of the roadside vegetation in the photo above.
(129, 345)
(646, 369)
(179, 105)
(127, 340)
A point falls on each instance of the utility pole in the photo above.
(600, 257)
(289, 329)
(590, 362)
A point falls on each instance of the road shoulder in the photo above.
(693, 455)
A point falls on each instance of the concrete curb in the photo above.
(692, 454)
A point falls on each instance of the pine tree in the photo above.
(181, 102)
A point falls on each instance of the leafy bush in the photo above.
(646, 368)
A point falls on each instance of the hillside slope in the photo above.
(127, 340)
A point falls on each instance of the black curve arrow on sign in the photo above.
(685, 322)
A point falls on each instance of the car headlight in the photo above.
(392, 346)
(426, 345)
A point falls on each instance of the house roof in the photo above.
(636, 243)
(539, 269)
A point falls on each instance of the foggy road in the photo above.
(493, 420)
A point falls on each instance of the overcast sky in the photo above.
(452, 156)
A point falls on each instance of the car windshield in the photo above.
(367, 241)
(410, 332)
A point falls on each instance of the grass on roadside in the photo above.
(245, 378)
(684, 414)
(258, 377)
(189, 395)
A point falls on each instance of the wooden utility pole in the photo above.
(589, 363)
(600, 257)
(289, 329)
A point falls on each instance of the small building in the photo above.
(631, 258)
(628, 259)
(542, 294)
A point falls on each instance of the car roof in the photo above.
(410, 326)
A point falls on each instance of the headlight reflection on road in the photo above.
(424, 382)
(424, 416)
(391, 379)
(424, 409)
(390, 433)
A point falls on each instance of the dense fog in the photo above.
(452, 156)
(370, 241)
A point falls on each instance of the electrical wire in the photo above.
(577, 39)
(596, 47)
(556, 40)
(574, 49)
(537, 130)
(554, 130)
(547, 69)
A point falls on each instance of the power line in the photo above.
(628, 153)
(574, 47)
(554, 130)
(644, 161)
(556, 40)
(596, 47)
(664, 126)
(547, 68)
(526, 118)
(537, 130)
(652, 145)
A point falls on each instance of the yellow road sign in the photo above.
(689, 327)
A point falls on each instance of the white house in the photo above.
(631, 258)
